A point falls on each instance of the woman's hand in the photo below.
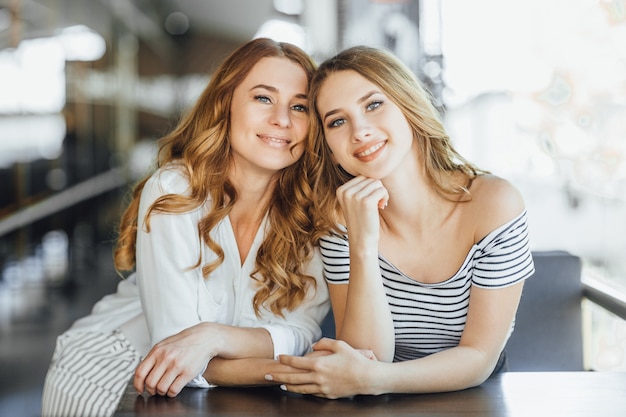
(360, 199)
(175, 361)
(333, 370)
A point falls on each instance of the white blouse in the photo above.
(175, 296)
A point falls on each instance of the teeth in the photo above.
(371, 150)
(271, 139)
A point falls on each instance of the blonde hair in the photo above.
(200, 144)
(442, 163)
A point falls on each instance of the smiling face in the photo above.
(269, 116)
(366, 132)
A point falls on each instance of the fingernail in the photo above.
(269, 378)
(283, 387)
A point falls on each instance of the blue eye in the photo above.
(263, 99)
(336, 123)
(374, 105)
(300, 108)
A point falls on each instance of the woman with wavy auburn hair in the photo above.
(425, 254)
(218, 239)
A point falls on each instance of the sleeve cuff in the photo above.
(283, 340)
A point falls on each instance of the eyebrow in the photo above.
(275, 90)
(361, 100)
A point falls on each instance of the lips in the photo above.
(370, 149)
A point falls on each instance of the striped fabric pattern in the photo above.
(88, 374)
(429, 318)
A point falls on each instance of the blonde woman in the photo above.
(425, 254)
(219, 237)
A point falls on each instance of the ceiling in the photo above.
(233, 20)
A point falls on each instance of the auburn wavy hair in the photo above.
(441, 162)
(200, 144)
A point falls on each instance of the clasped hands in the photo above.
(333, 370)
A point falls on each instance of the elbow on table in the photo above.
(479, 379)
(481, 368)
(459, 383)
(481, 375)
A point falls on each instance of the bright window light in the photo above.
(80, 43)
(283, 31)
(290, 7)
(28, 138)
(32, 77)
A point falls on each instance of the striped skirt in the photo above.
(88, 374)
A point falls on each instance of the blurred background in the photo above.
(533, 90)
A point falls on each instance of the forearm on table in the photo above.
(454, 369)
(242, 372)
(242, 342)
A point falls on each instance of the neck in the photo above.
(248, 212)
(253, 197)
(411, 200)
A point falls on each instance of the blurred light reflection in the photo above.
(80, 43)
(32, 77)
(283, 31)
(177, 23)
(28, 138)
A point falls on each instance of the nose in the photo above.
(280, 116)
(362, 130)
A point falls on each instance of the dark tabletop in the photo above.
(525, 394)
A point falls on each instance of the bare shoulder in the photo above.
(495, 202)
